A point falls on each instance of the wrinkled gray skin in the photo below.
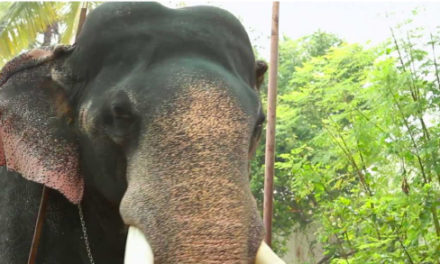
(161, 106)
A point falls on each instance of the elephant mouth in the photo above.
(138, 250)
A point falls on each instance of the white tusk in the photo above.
(265, 255)
(137, 249)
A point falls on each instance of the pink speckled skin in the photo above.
(32, 142)
(53, 165)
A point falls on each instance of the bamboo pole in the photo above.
(270, 129)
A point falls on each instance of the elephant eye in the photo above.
(116, 115)
(256, 135)
(261, 119)
(119, 120)
(120, 111)
(259, 125)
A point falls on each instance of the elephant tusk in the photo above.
(137, 249)
(265, 255)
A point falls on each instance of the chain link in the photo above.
(85, 236)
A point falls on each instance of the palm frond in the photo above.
(71, 20)
(21, 23)
(4, 6)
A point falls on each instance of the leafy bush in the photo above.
(358, 147)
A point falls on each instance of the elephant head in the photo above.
(157, 111)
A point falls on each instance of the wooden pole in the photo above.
(270, 129)
(38, 226)
(82, 18)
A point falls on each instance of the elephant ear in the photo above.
(37, 138)
(260, 70)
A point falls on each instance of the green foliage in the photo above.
(23, 23)
(293, 53)
(357, 147)
(20, 23)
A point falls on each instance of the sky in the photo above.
(354, 21)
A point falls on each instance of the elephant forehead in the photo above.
(200, 123)
(113, 21)
(126, 33)
(204, 110)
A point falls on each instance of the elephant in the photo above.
(142, 131)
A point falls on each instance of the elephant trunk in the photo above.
(196, 218)
(188, 186)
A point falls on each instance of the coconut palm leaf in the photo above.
(71, 19)
(4, 7)
(21, 23)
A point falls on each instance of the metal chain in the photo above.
(86, 237)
